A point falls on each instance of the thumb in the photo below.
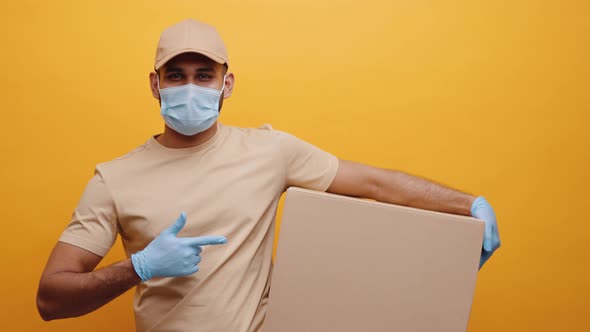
(178, 224)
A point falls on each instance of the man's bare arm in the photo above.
(396, 187)
(69, 287)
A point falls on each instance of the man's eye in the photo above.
(204, 76)
(174, 76)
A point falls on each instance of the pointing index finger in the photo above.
(206, 240)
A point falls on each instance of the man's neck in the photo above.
(172, 139)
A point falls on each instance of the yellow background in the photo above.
(490, 97)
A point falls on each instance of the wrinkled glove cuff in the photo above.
(477, 203)
(140, 265)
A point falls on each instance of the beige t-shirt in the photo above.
(230, 186)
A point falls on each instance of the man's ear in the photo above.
(154, 85)
(230, 80)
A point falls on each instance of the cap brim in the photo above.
(188, 50)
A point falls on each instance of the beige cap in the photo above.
(190, 36)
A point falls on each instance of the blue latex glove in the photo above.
(171, 256)
(481, 209)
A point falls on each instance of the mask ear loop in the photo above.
(158, 81)
(223, 85)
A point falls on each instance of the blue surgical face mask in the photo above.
(190, 109)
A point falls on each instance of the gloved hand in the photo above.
(481, 209)
(171, 256)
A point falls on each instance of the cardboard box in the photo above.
(348, 265)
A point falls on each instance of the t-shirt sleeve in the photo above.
(94, 221)
(307, 166)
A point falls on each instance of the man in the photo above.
(210, 269)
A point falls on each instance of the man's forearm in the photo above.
(404, 189)
(70, 294)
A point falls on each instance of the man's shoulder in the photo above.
(266, 131)
(123, 160)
